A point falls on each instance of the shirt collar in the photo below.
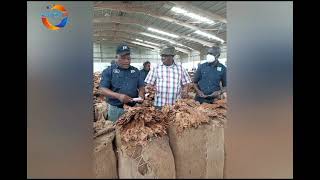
(118, 67)
(214, 64)
(173, 64)
(145, 70)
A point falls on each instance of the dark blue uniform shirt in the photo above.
(208, 77)
(123, 81)
(143, 74)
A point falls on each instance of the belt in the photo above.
(120, 106)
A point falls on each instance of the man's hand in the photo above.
(215, 94)
(223, 90)
(184, 91)
(184, 95)
(124, 98)
(200, 93)
(224, 95)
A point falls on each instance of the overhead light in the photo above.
(151, 43)
(192, 15)
(179, 10)
(154, 36)
(162, 32)
(209, 36)
(158, 37)
(184, 46)
(181, 50)
(146, 45)
(161, 38)
(147, 42)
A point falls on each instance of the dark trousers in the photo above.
(208, 100)
(158, 107)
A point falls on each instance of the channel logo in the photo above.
(55, 12)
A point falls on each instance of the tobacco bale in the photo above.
(139, 124)
(200, 127)
(99, 100)
(100, 111)
(152, 160)
(104, 158)
(142, 144)
(198, 152)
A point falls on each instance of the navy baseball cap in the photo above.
(123, 49)
(214, 51)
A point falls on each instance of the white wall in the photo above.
(101, 66)
(223, 61)
(190, 65)
(105, 52)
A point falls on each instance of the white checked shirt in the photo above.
(168, 80)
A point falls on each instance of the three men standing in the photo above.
(122, 82)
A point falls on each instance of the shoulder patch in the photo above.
(116, 71)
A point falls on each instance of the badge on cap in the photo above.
(124, 47)
(219, 68)
(133, 71)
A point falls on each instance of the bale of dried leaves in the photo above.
(217, 111)
(140, 124)
(99, 101)
(187, 113)
(196, 135)
(100, 111)
(104, 158)
(143, 144)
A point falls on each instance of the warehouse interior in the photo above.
(146, 26)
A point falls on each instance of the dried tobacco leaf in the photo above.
(139, 124)
(187, 113)
(98, 98)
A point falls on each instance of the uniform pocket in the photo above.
(134, 76)
(117, 80)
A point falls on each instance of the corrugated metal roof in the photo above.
(197, 3)
(164, 9)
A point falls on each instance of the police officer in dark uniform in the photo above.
(121, 82)
(208, 78)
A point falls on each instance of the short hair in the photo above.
(145, 63)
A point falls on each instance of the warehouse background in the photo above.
(191, 27)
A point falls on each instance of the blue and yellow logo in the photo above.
(56, 12)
